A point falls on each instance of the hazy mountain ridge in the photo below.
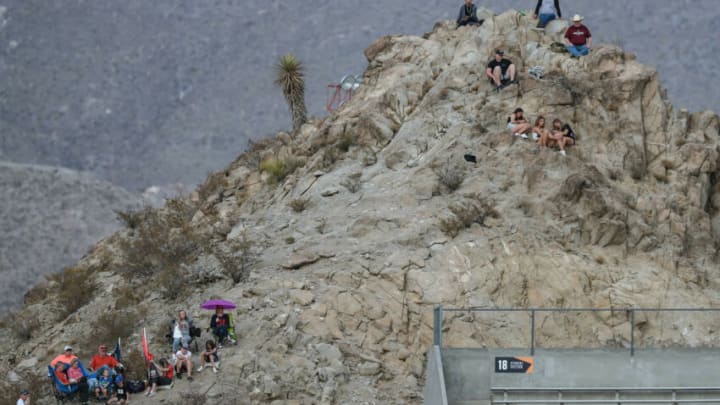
(49, 218)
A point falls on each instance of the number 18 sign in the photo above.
(523, 365)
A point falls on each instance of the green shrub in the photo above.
(278, 169)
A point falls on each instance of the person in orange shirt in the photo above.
(103, 359)
(66, 357)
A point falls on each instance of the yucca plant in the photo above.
(290, 77)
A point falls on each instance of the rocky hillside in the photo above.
(336, 242)
(49, 218)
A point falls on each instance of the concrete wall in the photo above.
(434, 392)
(469, 373)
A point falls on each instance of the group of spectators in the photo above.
(501, 71)
(104, 378)
(108, 384)
(560, 135)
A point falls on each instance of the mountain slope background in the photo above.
(49, 217)
(155, 93)
(336, 242)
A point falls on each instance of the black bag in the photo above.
(195, 332)
(135, 386)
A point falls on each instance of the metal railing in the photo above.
(614, 395)
(439, 310)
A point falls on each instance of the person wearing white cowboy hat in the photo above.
(578, 39)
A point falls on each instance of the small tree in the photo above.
(289, 75)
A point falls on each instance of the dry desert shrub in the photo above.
(450, 178)
(75, 288)
(299, 204)
(465, 214)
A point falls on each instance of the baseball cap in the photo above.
(67, 347)
(185, 346)
(577, 17)
(24, 392)
(499, 52)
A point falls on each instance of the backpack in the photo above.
(135, 386)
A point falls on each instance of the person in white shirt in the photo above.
(24, 398)
(183, 362)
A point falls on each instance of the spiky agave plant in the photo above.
(289, 75)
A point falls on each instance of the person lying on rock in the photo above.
(578, 39)
(518, 124)
(468, 15)
(562, 135)
(546, 11)
(501, 71)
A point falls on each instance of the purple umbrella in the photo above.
(215, 304)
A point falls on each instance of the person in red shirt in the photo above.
(103, 360)
(66, 357)
(578, 39)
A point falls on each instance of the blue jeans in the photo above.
(178, 342)
(578, 50)
(544, 19)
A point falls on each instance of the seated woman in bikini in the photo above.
(539, 133)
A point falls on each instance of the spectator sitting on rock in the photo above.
(210, 355)
(183, 362)
(546, 11)
(501, 71)
(24, 398)
(181, 331)
(219, 323)
(120, 396)
(103, 360)
(562, 135)
(539, 129)
(160, 374)
(66, 357)
(468, 15)
(518, 124)
(578, 39)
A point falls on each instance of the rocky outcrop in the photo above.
(336, 306)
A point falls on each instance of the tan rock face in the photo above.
(338, 298)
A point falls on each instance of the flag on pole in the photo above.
(117, 353)
(146, 351)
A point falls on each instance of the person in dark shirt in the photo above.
(578, 39)
(562, 136)
(468, 15)
(220, 323)
(501, 71)
(546, 11)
